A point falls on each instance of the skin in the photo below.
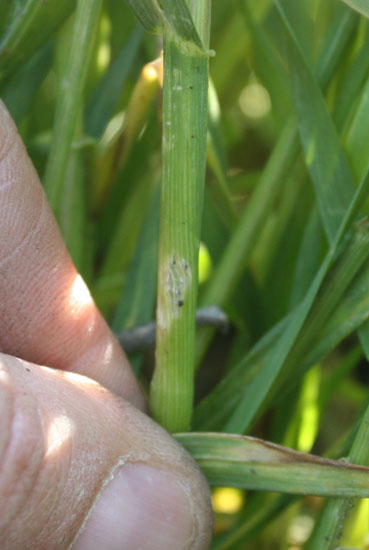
(72, 413)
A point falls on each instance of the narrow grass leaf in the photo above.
(268, 66)
(349, 313)
(30, 23)
(271, 353)
(72, 206)
(257, 391)
(172, 19)
(100, 107)
(244, 236)
(344, 24)
(362, 6)
(136, 304)
(253, 521)
(20, 90)
(4, 9)
(270, 185)
(352, 81)
(138, 166)
(69, 96)
(325, 160)
(358, 135)
(217, 161)
(328, 529)
(250, 463)
(149, 13)
(120, 250)
(309, 259)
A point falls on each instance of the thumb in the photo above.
(82, 468)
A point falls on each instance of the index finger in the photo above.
(47, 315)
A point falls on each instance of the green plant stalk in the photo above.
(332, 518)
(69, 96)
(183, 165)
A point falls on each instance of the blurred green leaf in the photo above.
(173, 18)
(69, 95)
(362, 6)
(217, 161)
(104, 99)
(136, 303)
(72, 208)
(244, 389)
(325, 160)
(149, 14)
(29, 24)
(328, 528)
(19, 93)
(268, 66)
(276, 170)
(120, 250)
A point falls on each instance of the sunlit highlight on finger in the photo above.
(79, 297)
(4, 378)
(59, 432)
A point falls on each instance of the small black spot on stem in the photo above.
(180, 303)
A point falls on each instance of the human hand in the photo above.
(80, 466)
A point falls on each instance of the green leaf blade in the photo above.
(251, 463)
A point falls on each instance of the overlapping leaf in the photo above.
(361, 6)
(168, 17)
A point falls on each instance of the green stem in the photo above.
(69, 96)
(183, 157)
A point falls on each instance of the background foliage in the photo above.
(284, 239)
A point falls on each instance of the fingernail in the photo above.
(141, 508)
